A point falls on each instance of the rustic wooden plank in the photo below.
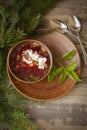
(69, 112)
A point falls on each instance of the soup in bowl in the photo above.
(30, 61)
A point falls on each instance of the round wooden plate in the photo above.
(58, 44)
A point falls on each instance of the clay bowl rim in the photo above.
(22, 42)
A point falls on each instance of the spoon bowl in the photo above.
(59, 26)
(74, 24)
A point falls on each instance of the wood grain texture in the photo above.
(69, 112)
(43, 90)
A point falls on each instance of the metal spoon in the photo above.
(75, 27)
(63, 28)
(59, 26)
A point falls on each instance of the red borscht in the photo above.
(30, 61)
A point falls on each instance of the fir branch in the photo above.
(10, 33)
(34, 23)
(17, 21)
(31, 19)
(11, 110)
(17, 4)
(3, 19)
(21, 121)
(2, 25)
(1, 63)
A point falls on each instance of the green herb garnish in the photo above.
(64, 71)
(68, 56)
(54, 72)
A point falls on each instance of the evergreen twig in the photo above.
(18, 20)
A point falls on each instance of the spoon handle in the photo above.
(74, 36)
(83, 50)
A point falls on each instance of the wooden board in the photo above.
(59, 45)
(69, 112)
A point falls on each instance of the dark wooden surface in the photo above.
(70, 111)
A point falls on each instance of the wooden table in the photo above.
(70, 111)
